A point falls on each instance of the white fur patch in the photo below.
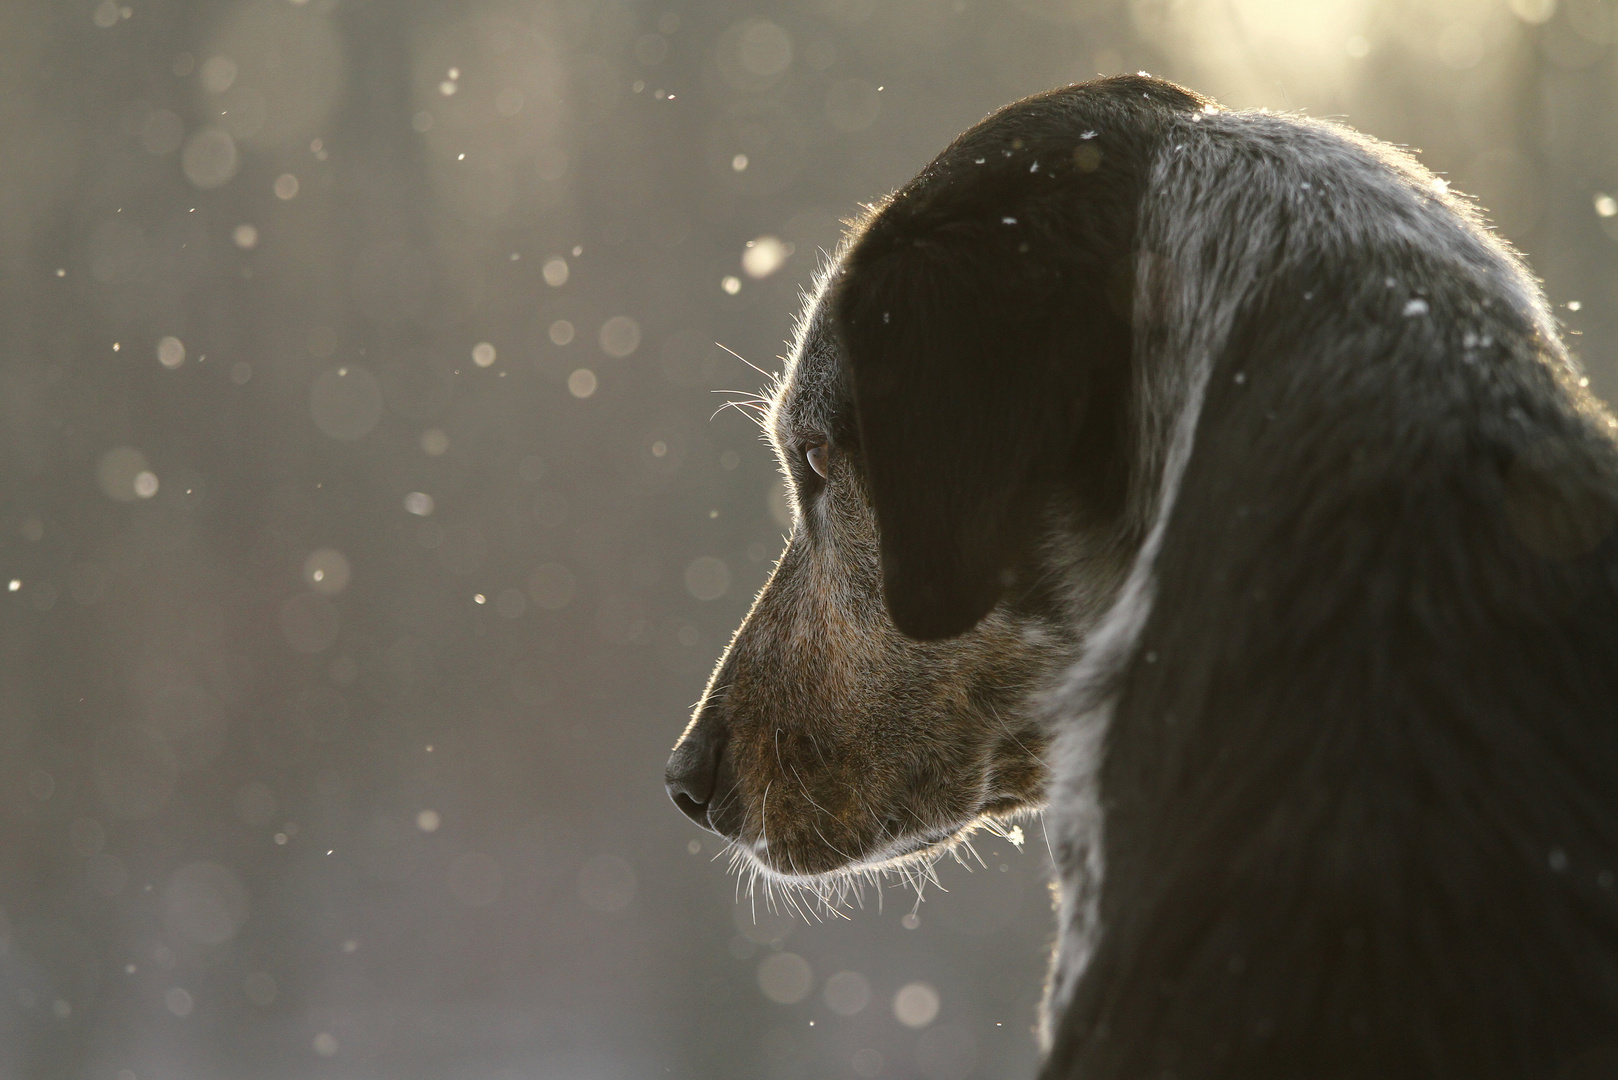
(1171, 379)
(1083, 705)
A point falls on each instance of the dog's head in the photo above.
(952, 423)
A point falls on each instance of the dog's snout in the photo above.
(693, 770)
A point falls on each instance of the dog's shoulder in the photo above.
(1362, 771)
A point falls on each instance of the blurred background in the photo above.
(367, 529)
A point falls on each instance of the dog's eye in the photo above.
(819, 458)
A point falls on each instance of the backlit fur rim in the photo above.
(834, 893)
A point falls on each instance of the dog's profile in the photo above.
(1217, 480)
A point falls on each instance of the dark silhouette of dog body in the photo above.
(1217, 481)
(1336, 774)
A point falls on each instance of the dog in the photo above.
(1217, 479)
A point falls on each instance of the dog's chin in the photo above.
(818, 868)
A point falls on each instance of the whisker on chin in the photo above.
(834, 893)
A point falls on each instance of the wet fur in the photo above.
(1229, 457)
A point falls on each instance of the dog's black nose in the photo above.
(693, 770)
(684, 790)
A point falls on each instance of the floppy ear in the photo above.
(971, 338)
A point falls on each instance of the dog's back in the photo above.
(1361, 773)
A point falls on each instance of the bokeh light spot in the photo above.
(764, 256)
(707, 578)
(753, 54)
(326, 570)
(205, 903)
(582, 383)
(170, 352)
(846, 993)
(785, 978)
(916, 1005)
(117, 471)
(620, 336)
(218, 74)
(1533, 12)
(210, 158)
(346, 402)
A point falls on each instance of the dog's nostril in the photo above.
(690, 776)
(696, 811)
